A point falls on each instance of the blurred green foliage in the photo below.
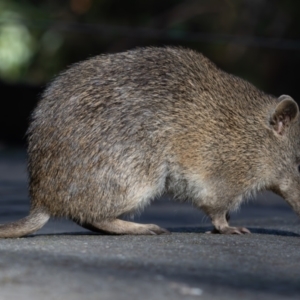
(256, 39)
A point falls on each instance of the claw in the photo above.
(156, 230)
(245, 230)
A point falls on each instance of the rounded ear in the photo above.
(285, 113)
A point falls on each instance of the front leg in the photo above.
(220, 222)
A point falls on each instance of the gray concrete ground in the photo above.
(64, 261)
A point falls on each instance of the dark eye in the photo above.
(299, 168)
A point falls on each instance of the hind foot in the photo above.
(124, 227)
(231, 230)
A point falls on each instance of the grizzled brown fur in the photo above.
(113, 132)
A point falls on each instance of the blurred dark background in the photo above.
(255, 39)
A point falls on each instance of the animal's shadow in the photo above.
(253, 231)
(200, 230)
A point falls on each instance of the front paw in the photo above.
(230, 230)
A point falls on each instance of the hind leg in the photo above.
(118, 226)
(124, 195)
